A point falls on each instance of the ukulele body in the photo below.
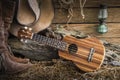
(89, 55)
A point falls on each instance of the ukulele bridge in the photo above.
(92, 50)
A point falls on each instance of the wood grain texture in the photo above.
(32, 50)
(92, 3)
(81, 57)
(91, 15)
(91, 11)
(113, 40)
(90, 29)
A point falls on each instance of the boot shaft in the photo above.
(8, 63)
(2, 37)
(8, 10)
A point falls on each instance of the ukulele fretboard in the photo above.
(50, 42)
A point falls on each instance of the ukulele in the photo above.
(87, 54)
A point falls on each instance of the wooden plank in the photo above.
(91, 3)
(90, 29)
(112, 40)
(90, 13)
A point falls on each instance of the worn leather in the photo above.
(8, 18)
(28, 12)
(8, 63)
(35, 8)
(2, 46)
(45, 18)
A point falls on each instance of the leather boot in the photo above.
(8, 11)
(11, 67)
(8, 65)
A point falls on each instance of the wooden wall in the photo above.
(91, 11)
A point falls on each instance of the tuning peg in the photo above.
(26, 27)
(26, 41)
(23, 40)
(30, 29)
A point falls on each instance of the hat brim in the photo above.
(45, 19)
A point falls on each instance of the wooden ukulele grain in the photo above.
(87, 54)
(81, 57)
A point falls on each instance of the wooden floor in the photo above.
(90, 23)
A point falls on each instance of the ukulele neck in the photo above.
(50, 42)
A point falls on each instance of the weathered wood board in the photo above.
(92, 3)
(77, 23)
(89, 25)
(91, 15)
(90, 29)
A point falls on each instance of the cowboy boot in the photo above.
(8, 65)
(8, 18)
(20, 60)
(11, 67)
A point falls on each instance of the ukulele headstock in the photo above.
(25, 33)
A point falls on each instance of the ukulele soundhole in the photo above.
(72, 48)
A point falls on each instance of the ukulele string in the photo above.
(81, 7)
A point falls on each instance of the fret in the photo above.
(60, 44)
(41, 39)
(34, 37)
(54, 44)
(45, 40)
(57, 46)
(63, 45)
(37, 38)
(50, 42)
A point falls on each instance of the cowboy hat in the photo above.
(30, 15)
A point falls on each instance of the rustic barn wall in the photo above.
(42, 52)
(90, 23)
